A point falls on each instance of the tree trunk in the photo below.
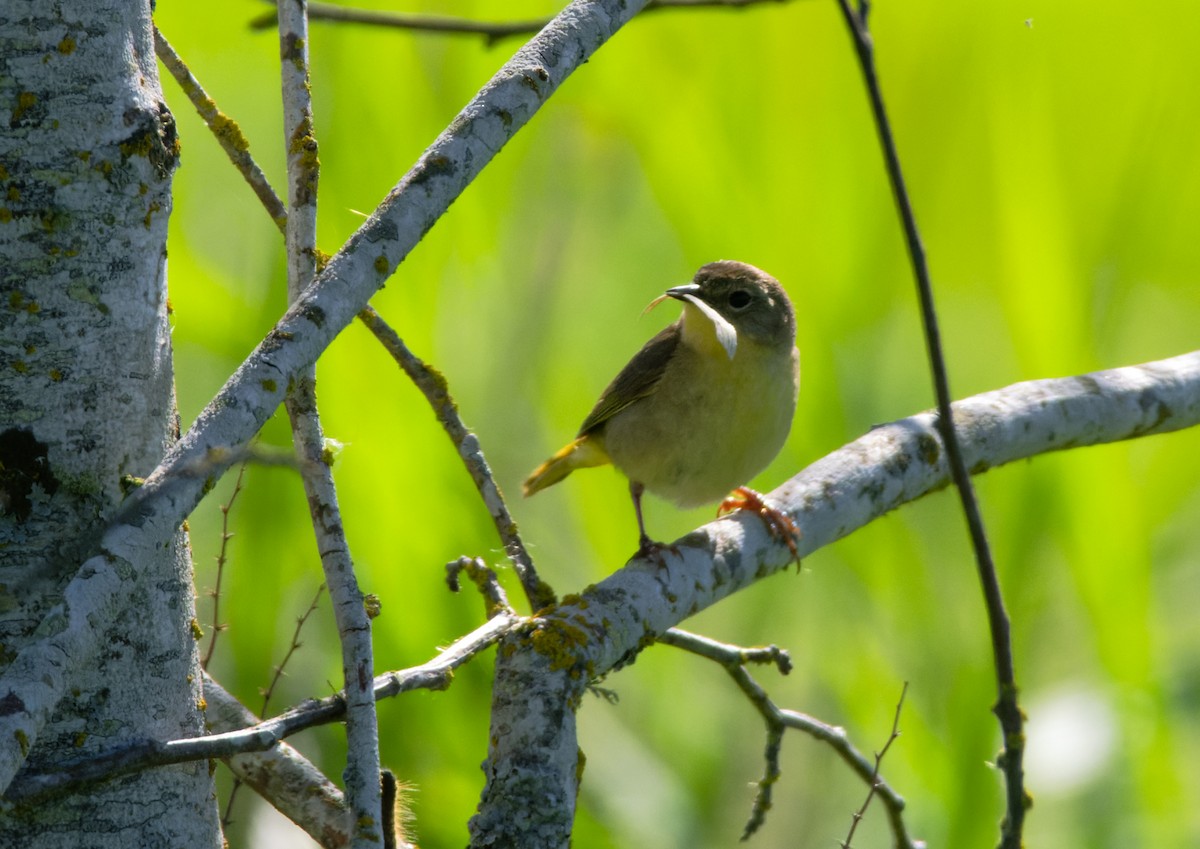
(87, 407)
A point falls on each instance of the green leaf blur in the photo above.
(1050, 150)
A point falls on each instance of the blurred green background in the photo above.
(1051, 151)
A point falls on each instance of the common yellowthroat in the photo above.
(704, 406)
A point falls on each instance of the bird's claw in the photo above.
(648, 549)
(779, 524)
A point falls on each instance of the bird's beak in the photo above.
(681, 292)
(726, 335)
(678, 292)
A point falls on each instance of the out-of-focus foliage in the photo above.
(1051, 153)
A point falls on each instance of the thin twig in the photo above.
(222, 559)
(269, 690)
(293, 647)
(1006, 709)
(437, 392)
(137, 755)
(861, 812)
(858, 762)
(733, 659)
(491, 31)
(216, 459)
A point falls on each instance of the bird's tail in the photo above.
(584, 451)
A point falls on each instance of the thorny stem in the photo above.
(222, 558)
(861, 812)
(270, 690)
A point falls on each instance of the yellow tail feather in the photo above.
(583, 452)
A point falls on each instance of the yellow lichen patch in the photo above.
(229, 133)
(558, 640)
(153, 208)
(138, 145)
(67, 46)
(25, 101)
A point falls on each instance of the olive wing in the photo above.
(637, 380)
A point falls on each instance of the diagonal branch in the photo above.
(426, 378)
(437, 392)
(286, 779)
(226, 131)
(544, 668)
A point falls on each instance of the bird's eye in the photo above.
(739, 299)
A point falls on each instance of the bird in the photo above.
(704, 405)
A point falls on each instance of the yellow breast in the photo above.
(712, 422)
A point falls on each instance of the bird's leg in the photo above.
(647, 547)
(779, 524)
(635, 491)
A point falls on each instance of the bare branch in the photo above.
(437, 674)
(282, 776)
(733, 659)
(862, 766)
(494, 597)
(433, 385)
(491, 31)
(426, 378)
(1006, 709)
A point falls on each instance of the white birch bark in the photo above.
(87, 400)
